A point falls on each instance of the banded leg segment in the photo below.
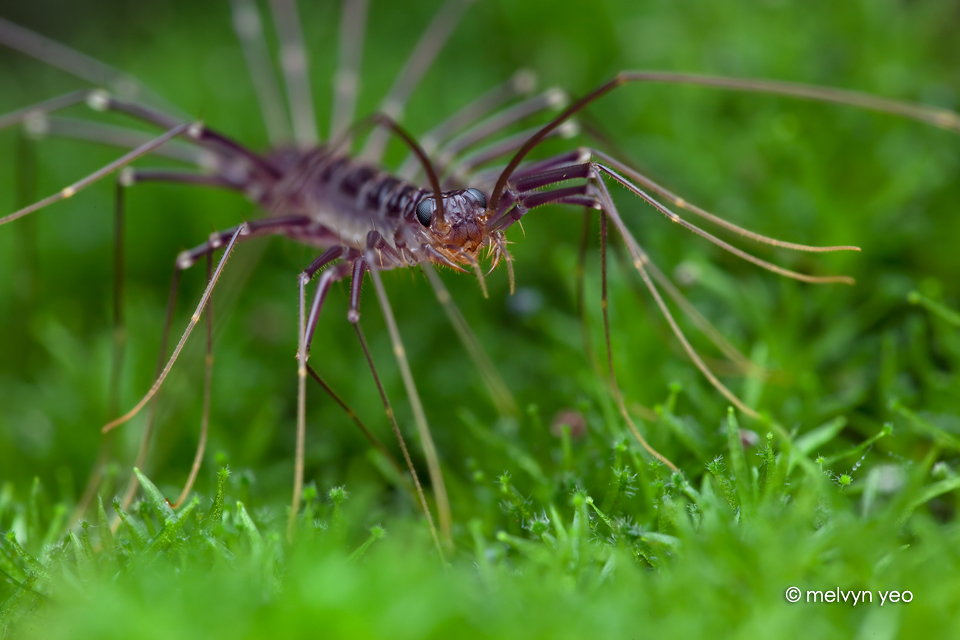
(942, 118)
(640, 260)
(388, 408)
(223, 148)
(208, 291)
(420, 60)
(420, 418)
(353, 315)
(77, 64)
(522, 83)
(293, 63)
(118, 347)
(182, 263)
(604, 307)
(207, 395)
(121, 162)
(526, 196)
(89, 131)
(327, 278)
(249, 28)
(496, 387)
(346, 80)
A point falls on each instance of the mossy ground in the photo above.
(850, 482)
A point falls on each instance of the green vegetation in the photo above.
(849, 482)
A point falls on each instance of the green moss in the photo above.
(853, 484)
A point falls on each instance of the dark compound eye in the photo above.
(478, 196)
(425, 211)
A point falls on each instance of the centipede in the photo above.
(369, 195)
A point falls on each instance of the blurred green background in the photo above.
(799, 171)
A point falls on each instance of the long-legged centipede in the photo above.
(336, 197)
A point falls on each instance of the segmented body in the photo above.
(331, 201)
(346, 199)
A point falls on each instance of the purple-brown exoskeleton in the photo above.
(438, 208)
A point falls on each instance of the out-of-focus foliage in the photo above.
(709, 551)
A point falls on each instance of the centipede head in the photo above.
(461, 232)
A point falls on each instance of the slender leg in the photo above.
(369, 435)
(522, 83)
(346, 80)
(327, 278)
(221, 147)
(496, 387)
(677, 201)
(144, 446)
(429, 449)
(76, 129)
(580, 275)
(119, 348)
(249, 28)
(293, 62)
(207, 394)
(725, 245)
(183, 262)
(604, 307)
(938, 117)
(529, 197)
(598, 195)
(640, 260)
(461, 172)
(550, 99)
(130, 176)
(119, 163)
(396, 430)
(186, 334)
(77, 64)
(420, 60)
(43, 108)
(529, 179)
